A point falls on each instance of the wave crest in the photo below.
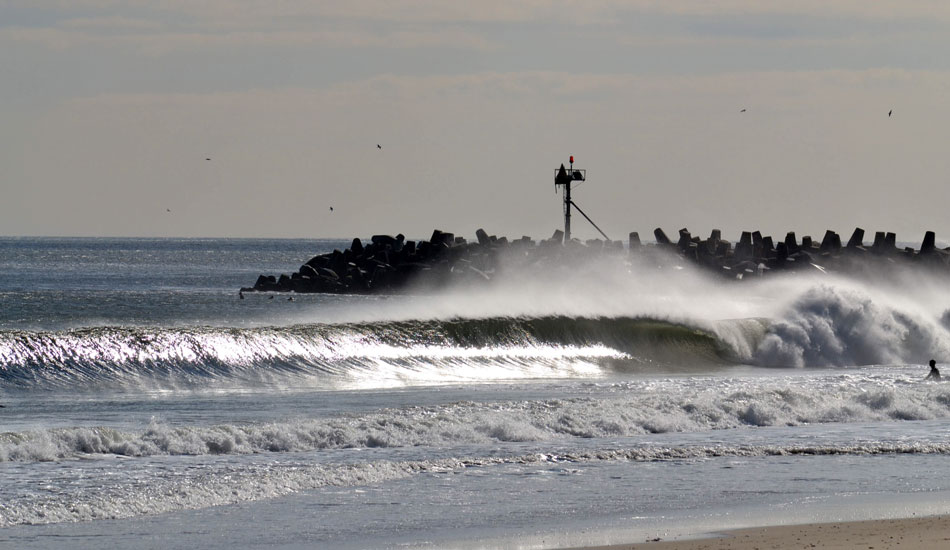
(832, 326)
(334, 355)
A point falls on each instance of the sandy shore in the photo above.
(929, 533)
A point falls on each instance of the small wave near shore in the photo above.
(650, 406)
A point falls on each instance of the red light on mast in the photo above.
(572, 159)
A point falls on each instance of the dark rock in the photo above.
(791, 243)
(768, 248)
(596, 244)
(634, 240)
(266, 283)
(757, 239)
(890, 240)
(319, 261)
(929, 244)
(857, 238)
(328, 273)
(439, 237)
(388, 264)
(830, 243)
(878, 240)
(781, 252)
(685, 239)
(744, 249)
(383, 240)
(303, 285)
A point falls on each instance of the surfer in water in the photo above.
(934, 373)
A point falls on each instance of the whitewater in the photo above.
(146, 403)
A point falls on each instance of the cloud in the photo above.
(111, 23)
(150, 38)
(499, 11)
(178, 24)
(814, 150)
(480, 100)
(229, 12)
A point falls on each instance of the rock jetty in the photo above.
(390, 264)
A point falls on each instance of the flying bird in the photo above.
(889, 112)
(378, 146)
(742, 111)
(168, 210)
(207, 159)
(331, 209)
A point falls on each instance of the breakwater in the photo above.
(388, 264)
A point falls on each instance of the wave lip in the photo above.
(348, 354)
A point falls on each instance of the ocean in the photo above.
(146, 404)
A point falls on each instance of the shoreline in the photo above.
(919, 533)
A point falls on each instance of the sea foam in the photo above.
(693, 404)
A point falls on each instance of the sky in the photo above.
(176, 118)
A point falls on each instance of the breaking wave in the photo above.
(646, 407)
(341, 355)
(824, 326)
(833, 326)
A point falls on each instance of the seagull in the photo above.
(378, 146)
(889, 112)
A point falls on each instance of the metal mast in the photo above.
(565, 177)
(567, 203)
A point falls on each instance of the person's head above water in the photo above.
(933, 363)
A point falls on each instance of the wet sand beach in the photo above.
(927, 533)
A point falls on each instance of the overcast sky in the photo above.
(110, 109)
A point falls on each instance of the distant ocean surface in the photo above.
(146, 404)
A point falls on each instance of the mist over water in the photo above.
(784, 320)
